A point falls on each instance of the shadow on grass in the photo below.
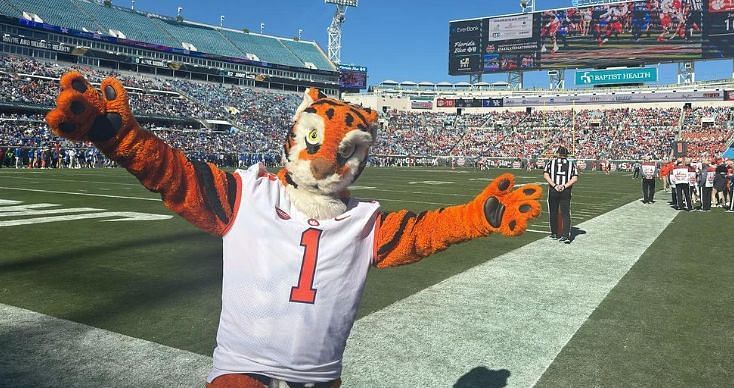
(481, 377)
(576, 232)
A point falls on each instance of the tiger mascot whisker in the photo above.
(296, 244)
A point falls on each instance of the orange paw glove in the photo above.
(86, 114)
(405, 237)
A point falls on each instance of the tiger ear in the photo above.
(311, 95)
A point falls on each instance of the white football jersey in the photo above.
(291, 284)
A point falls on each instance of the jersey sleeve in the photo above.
(547, 168)
(574, 170)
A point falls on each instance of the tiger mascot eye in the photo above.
(296, 244)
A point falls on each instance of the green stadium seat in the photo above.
(309, 52)
(58, 12)
(267, 49)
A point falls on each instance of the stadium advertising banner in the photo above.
(622, 33)
(444, 103)
(42, 44)
(352, 77)
(510, 28)
(729, 95)
(415, 104)
(580, 99)
(718, 28)
(618, 76)
(493, 103)
(465, 42)
(511, 43)
(617, 98)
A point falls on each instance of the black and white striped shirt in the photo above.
(561, 170)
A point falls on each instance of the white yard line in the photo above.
(515, 312)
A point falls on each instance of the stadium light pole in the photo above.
(528, 6)
(335, 28)
(132, 6)
(686, 73)
(262, 28)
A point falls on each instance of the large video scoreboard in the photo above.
(626, 33)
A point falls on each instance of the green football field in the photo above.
(100, 285)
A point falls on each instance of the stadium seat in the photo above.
(59, 13)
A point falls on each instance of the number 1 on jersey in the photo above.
(304, 291)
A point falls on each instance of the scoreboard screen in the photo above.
(623, 33)
(352, 77)
(718, 28)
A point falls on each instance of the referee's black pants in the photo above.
(559, 208)
(683, 195)
(648, 190)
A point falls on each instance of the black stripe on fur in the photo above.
(209, 193)
(390, 246)
(231, 190)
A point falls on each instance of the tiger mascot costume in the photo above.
(296, 245)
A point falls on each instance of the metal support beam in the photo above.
(515, 79)
(527, 6)
(686, 73)
(335, 34)
(557, 79)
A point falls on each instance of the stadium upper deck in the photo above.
(484, 97)
(88, 33)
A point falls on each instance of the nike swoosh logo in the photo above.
(341, 219)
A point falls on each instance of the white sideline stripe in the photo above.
(43, 351)
(515, 312)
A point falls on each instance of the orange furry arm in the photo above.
(404, 237)
(198, 191)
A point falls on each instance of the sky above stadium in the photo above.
(395, 39)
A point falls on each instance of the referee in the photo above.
(560, 174)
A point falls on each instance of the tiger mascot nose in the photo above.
(321, 168)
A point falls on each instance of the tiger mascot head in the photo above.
(325, 151)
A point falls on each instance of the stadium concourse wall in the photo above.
(697, 96)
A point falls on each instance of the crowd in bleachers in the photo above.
(609, 134)
(261, 119)
(706, 131)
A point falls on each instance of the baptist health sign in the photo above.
(618, 76)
